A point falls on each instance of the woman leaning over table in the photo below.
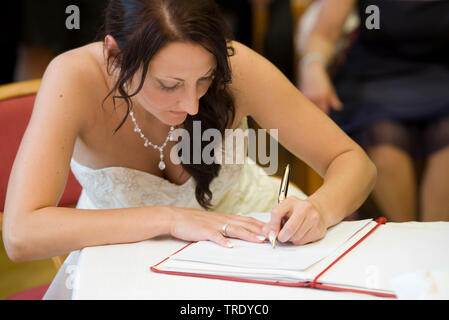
(167, 63)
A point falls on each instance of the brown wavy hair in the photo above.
(141, 28)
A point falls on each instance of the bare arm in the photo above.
(328, 28)
(267, 95)
(314, 82)
(34, 228)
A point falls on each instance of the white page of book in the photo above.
(285, 256)
(236, 272)
(392, 250)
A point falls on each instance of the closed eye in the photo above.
(172, 88)
(163, 87)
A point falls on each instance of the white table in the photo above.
(123, 271)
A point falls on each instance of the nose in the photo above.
(190, 102)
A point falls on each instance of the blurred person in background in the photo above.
(391, 95)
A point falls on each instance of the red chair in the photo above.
(35, 293)
(16, 105)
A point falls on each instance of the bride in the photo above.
(107, 111)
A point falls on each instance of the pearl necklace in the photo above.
(148, 143)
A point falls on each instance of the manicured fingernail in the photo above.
(261, 238)
(272, 236)
(229, 244)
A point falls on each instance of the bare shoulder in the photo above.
(74, 82)
(241, 52)
(242, 62)
(253, 76)
(79, 64)
(61, 111)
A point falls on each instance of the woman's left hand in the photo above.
(302, 223)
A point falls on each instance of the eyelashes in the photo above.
(173, 88)
(169, 88)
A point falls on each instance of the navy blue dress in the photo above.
(399, 72)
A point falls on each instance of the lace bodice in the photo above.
(239, 188)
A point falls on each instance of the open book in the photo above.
(287, 264)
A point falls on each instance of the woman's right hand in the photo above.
(196, 225)
(315, 84)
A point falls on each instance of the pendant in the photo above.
(161, 165)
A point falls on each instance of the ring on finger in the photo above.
(223, 229)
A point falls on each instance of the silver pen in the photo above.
(282, 195)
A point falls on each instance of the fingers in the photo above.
(218, 238)
(240, 227)
(291, 227)
(309, 221)
(298, 220)
(250, 223)
(304, 223)
(237, 231)
(281, 211)
(335, 102)
(328, 101)
(311, 236)
(323, 105)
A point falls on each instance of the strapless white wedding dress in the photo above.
(239, 188)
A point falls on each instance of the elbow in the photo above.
(368, 170)
(14, 247)
(15, 244)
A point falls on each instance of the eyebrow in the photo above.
(212, 68)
